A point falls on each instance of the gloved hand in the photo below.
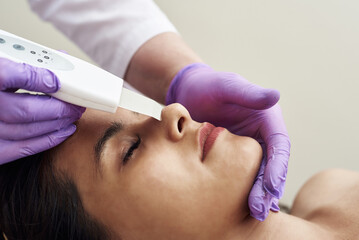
(228, 100)
(31, 123)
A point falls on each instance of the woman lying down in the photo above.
(127, 176)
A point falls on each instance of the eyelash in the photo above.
(130, 151)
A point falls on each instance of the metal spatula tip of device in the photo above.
(141, 104)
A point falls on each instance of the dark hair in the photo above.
(39, 202)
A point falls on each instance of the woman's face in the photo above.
(149, 179)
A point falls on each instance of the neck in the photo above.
(277, 226)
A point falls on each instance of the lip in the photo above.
(207, 136)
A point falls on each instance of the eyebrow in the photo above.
(111, 131)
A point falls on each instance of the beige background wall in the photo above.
(306, 49)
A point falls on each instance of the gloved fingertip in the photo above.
(50, 82)
(64, 122)
(68, 131)
(275, 207)
(275, 175)
(259, 98)
(271, 97)
(274, 183)
(59, 136)
(259, 207)
(273, 189)
(74, 111)
(258, 211)
(81, 110)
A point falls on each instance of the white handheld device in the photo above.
(82, 83)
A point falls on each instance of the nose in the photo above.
(176, 120)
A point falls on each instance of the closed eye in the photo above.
(130, 151)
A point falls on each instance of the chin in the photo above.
(251, 152)
(237, 158)
(246, 158)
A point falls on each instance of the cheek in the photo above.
(251, 157)
(235, 162)
(172, 190)
(156, 191)
(159, 176)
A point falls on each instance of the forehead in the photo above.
(99, 118)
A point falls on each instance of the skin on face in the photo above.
(164, 190)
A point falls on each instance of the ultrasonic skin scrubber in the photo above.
(82, 83)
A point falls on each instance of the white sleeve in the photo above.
(109, 31)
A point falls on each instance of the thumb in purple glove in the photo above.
(216, 88)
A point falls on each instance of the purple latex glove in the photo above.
(228, 100)
(31, 123)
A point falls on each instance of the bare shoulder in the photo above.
(330, 199)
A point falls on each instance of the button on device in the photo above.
(32, 52)
(2, 40)
(18, 47)
(46, 57)
(39, 60)
(44, 51)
